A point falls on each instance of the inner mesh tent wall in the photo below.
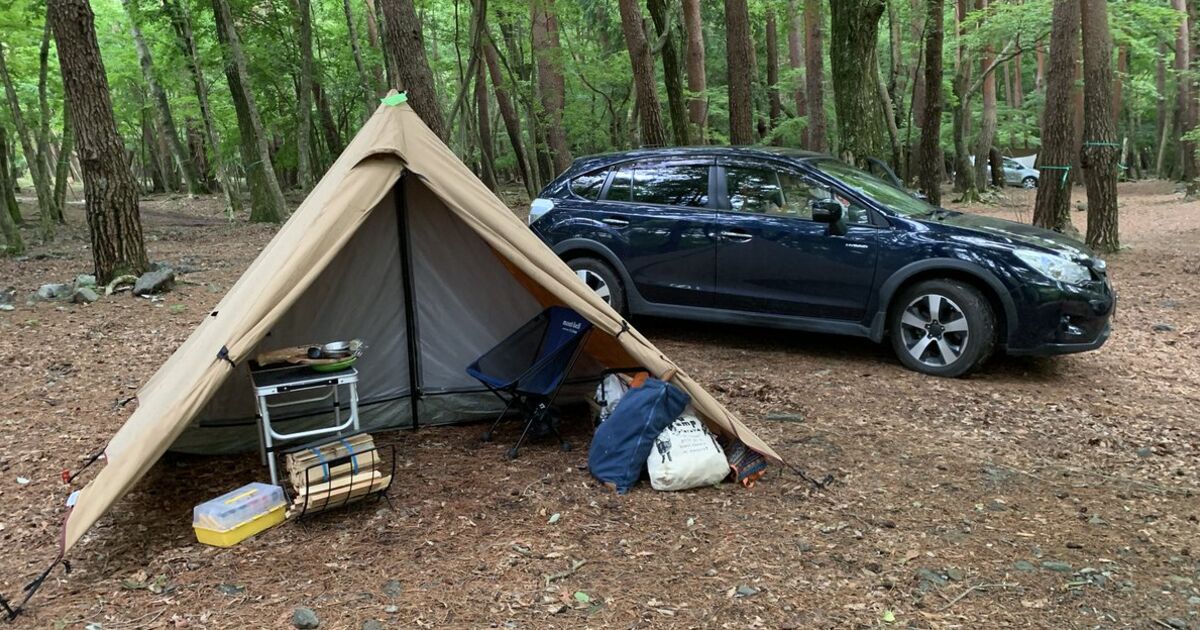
(464, 301)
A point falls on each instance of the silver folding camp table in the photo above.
(282, 384)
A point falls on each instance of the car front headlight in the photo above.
(538, 208)
(1055, 267)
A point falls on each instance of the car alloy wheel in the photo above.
(935, 330)
(1029, 182)
(595, 283)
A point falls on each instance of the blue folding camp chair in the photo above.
(527, 369)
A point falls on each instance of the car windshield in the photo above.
(874, 188)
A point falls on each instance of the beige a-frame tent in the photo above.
(398, 236)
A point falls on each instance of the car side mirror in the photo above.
(829, 211)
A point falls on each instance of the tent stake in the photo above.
(410, 311)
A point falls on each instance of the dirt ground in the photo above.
(1055, 492)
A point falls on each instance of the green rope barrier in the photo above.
(1065, 169)
(1102, 144)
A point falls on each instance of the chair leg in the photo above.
(487, 437)
(563, 445)
(533, 418)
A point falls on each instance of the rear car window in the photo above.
(618, 190)
(671, 185)
(589, 185)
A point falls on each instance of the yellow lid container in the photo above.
(235, 516)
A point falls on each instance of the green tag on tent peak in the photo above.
(398, 98)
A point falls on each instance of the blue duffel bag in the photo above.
(623, 441)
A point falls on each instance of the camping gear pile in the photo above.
(239, 514)
(647, 425)
(327, 357)
(336, 473)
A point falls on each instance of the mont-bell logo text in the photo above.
(573, 326)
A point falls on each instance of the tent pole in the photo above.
(410, 310)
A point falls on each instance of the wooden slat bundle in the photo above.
(356, 474)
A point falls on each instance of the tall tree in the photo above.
(486, 153)
(7, 183)
(43, 134)
(364, 77)
(814, 75)
(645, 87)
(181, 23)
(774, 102)
(551, 85)
(796, 61)
(110, 192)
(304, 95)
(62, 169)
(929, 166)
(1100, 146)
(1185, 94)
(672, 77)
(1052, 209)
(854, 33)
(10, 215)
(964, 171)
(37, 167)
(987, 118)
(162, 106)
(405, 46)
(377, 71)
(739, 51)
(508, 112)
(697, 82)
(266, 198)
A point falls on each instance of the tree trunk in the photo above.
(110, 193)
(814, 75)
(1185, 103)
(405, 46)
(697, 82)
(162, 107)
(10, 216)
(186, 42)
(512, 121)
(329, 128)
(37, 171)
(377, 71)
(1052, 210)
(62, 169)
(964, 171)
(854, 31)
(929, 166)
(916, 107)
(43, 134)
(1100, 149)
(364, 77)
(672, 77)
(266, 198)
(551, 86)
(774, 103)
(304, 157)
(486, 156)
(796, 63)
(739, 60)
(987, 120)
(645, 87)
(1039, 77)
(152, 164)
(1118, 102)
(7, 181)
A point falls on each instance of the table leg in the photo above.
(354, 405)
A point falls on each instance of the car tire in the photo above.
(601, 278)
(942, 328)
(1029, 183)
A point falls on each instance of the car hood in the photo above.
(1018, 234)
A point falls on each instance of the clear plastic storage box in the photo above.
(238, 515)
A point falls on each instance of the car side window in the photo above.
(589, 185)
(765, 191)
(752, 189)
(671, 184)
(618, 189)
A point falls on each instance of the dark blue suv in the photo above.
(785, 238)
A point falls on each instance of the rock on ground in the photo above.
(84, 295)
(53, 291)
(155, 281)
(305, 618)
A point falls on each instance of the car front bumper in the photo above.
(1063, 319)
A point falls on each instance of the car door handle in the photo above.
(615, 222)
(736, 237)
(858, 245)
